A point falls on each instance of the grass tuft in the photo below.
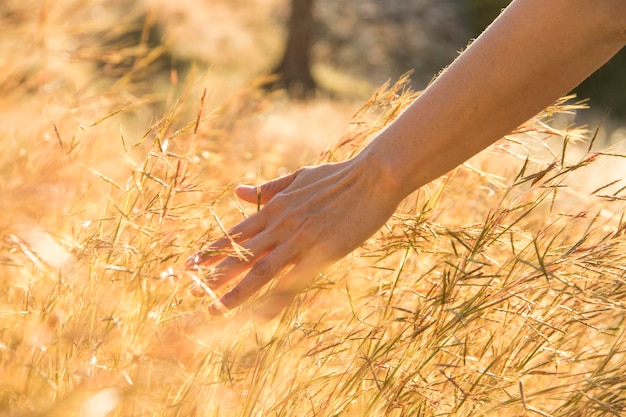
(498, 289)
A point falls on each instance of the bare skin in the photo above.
(535, 52)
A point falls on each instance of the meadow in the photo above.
(497, 290)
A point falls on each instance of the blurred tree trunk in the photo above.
(294, 68)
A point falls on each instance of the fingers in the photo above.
(234, 265)
(245, 230)
(226, 245)
(261, 194)
(287, 288)
(243, 245)
(261, 272)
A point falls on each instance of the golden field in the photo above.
(499, 289)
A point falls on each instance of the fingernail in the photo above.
(192, 261)
(197, 291)
(213, 310)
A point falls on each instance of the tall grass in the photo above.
(498, 289)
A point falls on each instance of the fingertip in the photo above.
(192, 261)
(217, 308)
(197, 290)
(212, 310)
(209, 254)
(263, 193)
(248, 193)
(195, 261)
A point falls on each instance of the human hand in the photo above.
(310, 219)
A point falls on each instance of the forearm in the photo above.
(534, 53)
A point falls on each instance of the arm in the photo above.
(536, 51)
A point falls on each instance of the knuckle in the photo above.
(304, 170)
(277, 203)
(272, 187)
(261, 268)
(230, 298)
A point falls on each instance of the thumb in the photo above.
(264, 192)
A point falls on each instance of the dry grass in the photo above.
(497, 290)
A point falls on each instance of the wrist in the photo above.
(389, 178)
